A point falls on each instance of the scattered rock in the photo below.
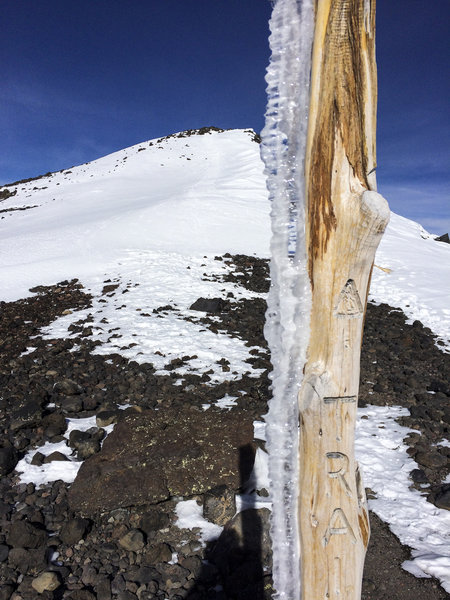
(419, 476)
(106, 417)
(27, 561)
(38, 459)
(157, 553)
(434, 460)
(442, 497)
(67, 387)
(55, 456)
(26, 535)
(46, 582)
(83, 594)
(4, 551)
(209, 305)
(74, 530)
(153, 520)
(8, 460)
(54, 424)
(107, 289)
(133, 541)
(71, 404)
(6, 592)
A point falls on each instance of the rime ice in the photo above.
(287, 326)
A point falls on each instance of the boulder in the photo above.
(209, 305)
(8, 460)
(74, 530)
(442, 498)
(54, 424)
(55, 456)
(45, 582)
(154, 455)
(26, 535)
(443, 238)
(26, 413)
(67, 387)
(133, 540)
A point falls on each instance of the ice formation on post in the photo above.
(289, 301)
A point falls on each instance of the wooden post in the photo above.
(344, 224)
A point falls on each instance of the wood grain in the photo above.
(345, 221)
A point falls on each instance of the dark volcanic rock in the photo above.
(133, 541)
(443, 238)
(28, 560)
(67, 387)
(8, 460)
(431, 459)
(175, 451)
(55, 456)
(4, 551)
(26, 413)
(442, 497)
(210, 305)
(419, 476)
(74, 530)
(54, 424)
(153, 520)
(26, 535)
(219, 505)
(6, 592)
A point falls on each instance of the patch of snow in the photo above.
(64, 470)
(190, 516)
(444, 443)
(132, 324)
(29, 350)
(386, 466)
(259, 428)
(259, 477)
(226, 402)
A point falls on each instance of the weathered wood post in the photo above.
(344, 223)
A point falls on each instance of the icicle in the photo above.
(289, 301)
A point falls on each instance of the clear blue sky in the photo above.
(83, 78)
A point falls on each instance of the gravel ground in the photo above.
(50, 549)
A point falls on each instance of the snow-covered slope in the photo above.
(185, 195)
(412, 271)
(189, 194)
(150, 219)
